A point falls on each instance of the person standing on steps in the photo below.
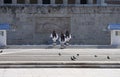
(62, 40)
(54, 37)
(67, 37)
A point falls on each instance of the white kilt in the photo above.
(54, 39)
(67, 39)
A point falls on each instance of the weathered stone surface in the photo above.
(32, 24)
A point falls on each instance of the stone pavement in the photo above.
(59, 72)
(61, 56)
(91, 56)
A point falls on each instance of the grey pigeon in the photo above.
(59, 54)
(108, 57)
(1, 51)
(73, 58)
(77, 54)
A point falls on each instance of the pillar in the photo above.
(98, 2)
(39, 1)
(90, 2)
(102, 2)
(14, 1)
(65, 2)
(77, 1)
(27, 1)
(52, 1)
(1, 1)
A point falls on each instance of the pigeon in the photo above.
(59, 54)
(73, 58)
(77, 54)
(95, 55)
(108, 57)
(1, 51)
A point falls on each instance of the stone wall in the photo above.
(112, 1)
(32, 24)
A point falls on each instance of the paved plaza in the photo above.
(68, 56)
(47, 54)
(59, 72)
(60, 54)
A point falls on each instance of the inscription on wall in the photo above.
(48, 24)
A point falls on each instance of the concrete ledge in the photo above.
(58, 46)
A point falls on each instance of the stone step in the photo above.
(59, 65)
